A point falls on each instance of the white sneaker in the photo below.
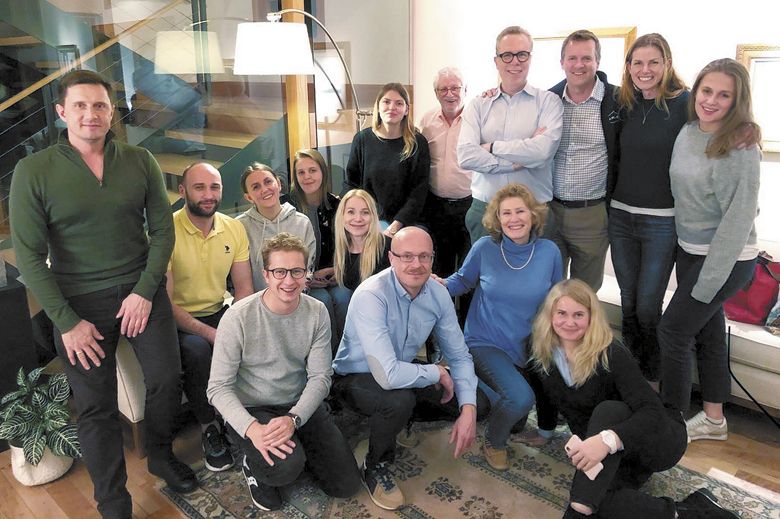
(701, 428)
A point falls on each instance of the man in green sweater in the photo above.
(82, 204)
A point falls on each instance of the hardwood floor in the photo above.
(752, 453)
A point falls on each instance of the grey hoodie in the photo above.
(259, 228)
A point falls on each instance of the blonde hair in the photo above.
(739, 115)
(491, 220)
(286, 242)
(372, 247)
(592, 350)
(407, 128)
(671, 85)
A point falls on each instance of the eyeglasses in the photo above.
(521, 56)
(407, 257)
(443, 90)
(296, 273)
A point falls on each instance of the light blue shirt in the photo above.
(385, 329)
(509, 123)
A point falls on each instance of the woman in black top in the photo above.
(653, 108)
(578, 369)
(391, 161)
(310, 194)
(361, 250)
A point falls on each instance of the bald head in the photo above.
(411, 256)
(201, 188)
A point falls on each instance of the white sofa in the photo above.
(755, 353)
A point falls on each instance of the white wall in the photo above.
(462, 33)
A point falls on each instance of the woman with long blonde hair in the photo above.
(391, 161)
(360, 248)
(620, 424)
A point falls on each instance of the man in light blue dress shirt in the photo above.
(390, 316)
(511, 136)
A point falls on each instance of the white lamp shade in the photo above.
(176, 53)
(273, 48)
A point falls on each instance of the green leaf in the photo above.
(15, 427)
(65, 442)
(18, 394)
(33, 447)
(11, 410)
(32, 378)
(55, 416)
(27, 412)
(39, 399)
(21, 379)
(59, 389)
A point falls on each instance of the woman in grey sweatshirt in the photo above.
(268, 217)
(715, 188)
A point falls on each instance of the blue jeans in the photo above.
(643, 248)
(336, 300)
(515, 397)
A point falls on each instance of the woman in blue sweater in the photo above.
(512, 271)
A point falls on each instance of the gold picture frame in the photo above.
(763, 64)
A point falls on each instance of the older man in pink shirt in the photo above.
(449, 196)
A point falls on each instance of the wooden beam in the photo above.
(298, 129)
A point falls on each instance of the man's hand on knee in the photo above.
(447, 385)
(257, 434)
(81, 345)
(134, 312)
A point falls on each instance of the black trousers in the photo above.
(319, 446)
(95, 391)
(389, 411)
(196, 364)
(614, 493)
(446, 221)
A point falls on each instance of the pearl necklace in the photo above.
(503, 255)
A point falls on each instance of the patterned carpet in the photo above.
(438, 486)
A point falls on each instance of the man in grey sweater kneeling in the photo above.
(270, 372)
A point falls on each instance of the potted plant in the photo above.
(36, 422)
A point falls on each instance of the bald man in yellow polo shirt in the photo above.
(209, 247)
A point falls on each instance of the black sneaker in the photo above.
(381, 486)
(264, 497)
(702, 504)
(216, 450)
(179, 477)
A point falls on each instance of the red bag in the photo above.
(753, 303)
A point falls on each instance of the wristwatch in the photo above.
(297, 422)
(610, 440)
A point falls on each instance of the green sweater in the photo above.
(92, 232)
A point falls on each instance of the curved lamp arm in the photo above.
(277, 16)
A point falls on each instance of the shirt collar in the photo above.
(597, 93)
(217, 228)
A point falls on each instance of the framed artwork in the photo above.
(763, 64)
(546, 70)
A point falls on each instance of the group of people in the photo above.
(333, 297)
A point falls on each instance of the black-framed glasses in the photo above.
(407, 257)
(443, 90)
(521, 56)
(280, 273)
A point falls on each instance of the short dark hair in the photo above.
(83, 77)
(582, 35)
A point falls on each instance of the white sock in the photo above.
(714, 421)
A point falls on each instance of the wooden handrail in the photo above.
(89, 55)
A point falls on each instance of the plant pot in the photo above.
(50, 468)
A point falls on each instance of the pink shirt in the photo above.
(447, 179)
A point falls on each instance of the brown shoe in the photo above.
(531, 437)
(496, 458)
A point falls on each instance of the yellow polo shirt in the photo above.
(201, 264)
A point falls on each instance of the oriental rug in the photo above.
(437, 486)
